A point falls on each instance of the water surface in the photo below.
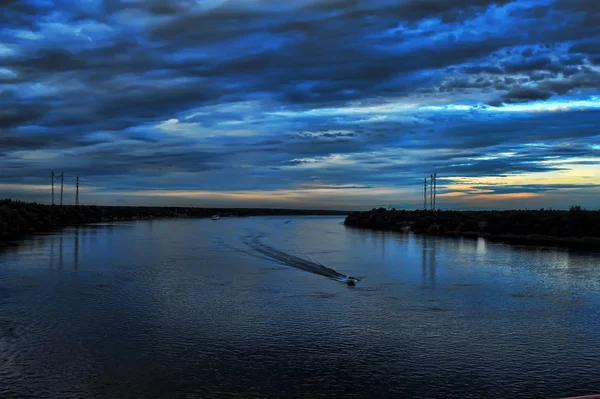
(187, 308)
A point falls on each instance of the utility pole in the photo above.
(52, 187)
(434, 189)
(425, 193)
(62, 180)
(77, 191)
(431, 191)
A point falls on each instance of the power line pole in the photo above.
(434, 189)
(430, 191)
(77, 191)
(52, 187)
(62, 180)
(425, 193)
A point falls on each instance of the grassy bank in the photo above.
(19, 218)
(576, 228)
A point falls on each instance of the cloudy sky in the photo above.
(304, 103)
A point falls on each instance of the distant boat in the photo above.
(351, 280)
(216, 217)
(287, 221)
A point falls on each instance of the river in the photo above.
(195, 308)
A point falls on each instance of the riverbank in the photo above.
(17, 219)
(575, 228)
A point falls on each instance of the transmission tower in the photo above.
(77, 191)
(52, 187)
(430, 191)
(434, 189)
(62, 181)
(425, 193)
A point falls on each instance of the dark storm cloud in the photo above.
(19, 13)
(532, 64)
(97, 162)
(228, 21)
(494, 168)
(158, 7)
(16, 116)
(489, 69)
(533, 188)
(587, 47)
(546, 86)
(525, 94)
(484, 132)
(586, 78)
(13, 141)
(537, 76)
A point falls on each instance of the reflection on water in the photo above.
(60, 251)
(76, 248)
(166, 309)
(56, 243)
(52, 252)
(481, 246)
(428, 250)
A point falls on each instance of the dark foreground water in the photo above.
(194, 308)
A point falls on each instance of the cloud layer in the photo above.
(312, 103)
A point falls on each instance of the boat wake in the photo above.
(267, 252)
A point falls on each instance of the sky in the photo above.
(331, 104)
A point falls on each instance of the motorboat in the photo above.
(216, 217)
(351, 281)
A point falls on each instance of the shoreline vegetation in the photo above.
(576, 228)
(19, 219)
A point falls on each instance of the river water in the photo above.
(194, 308)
